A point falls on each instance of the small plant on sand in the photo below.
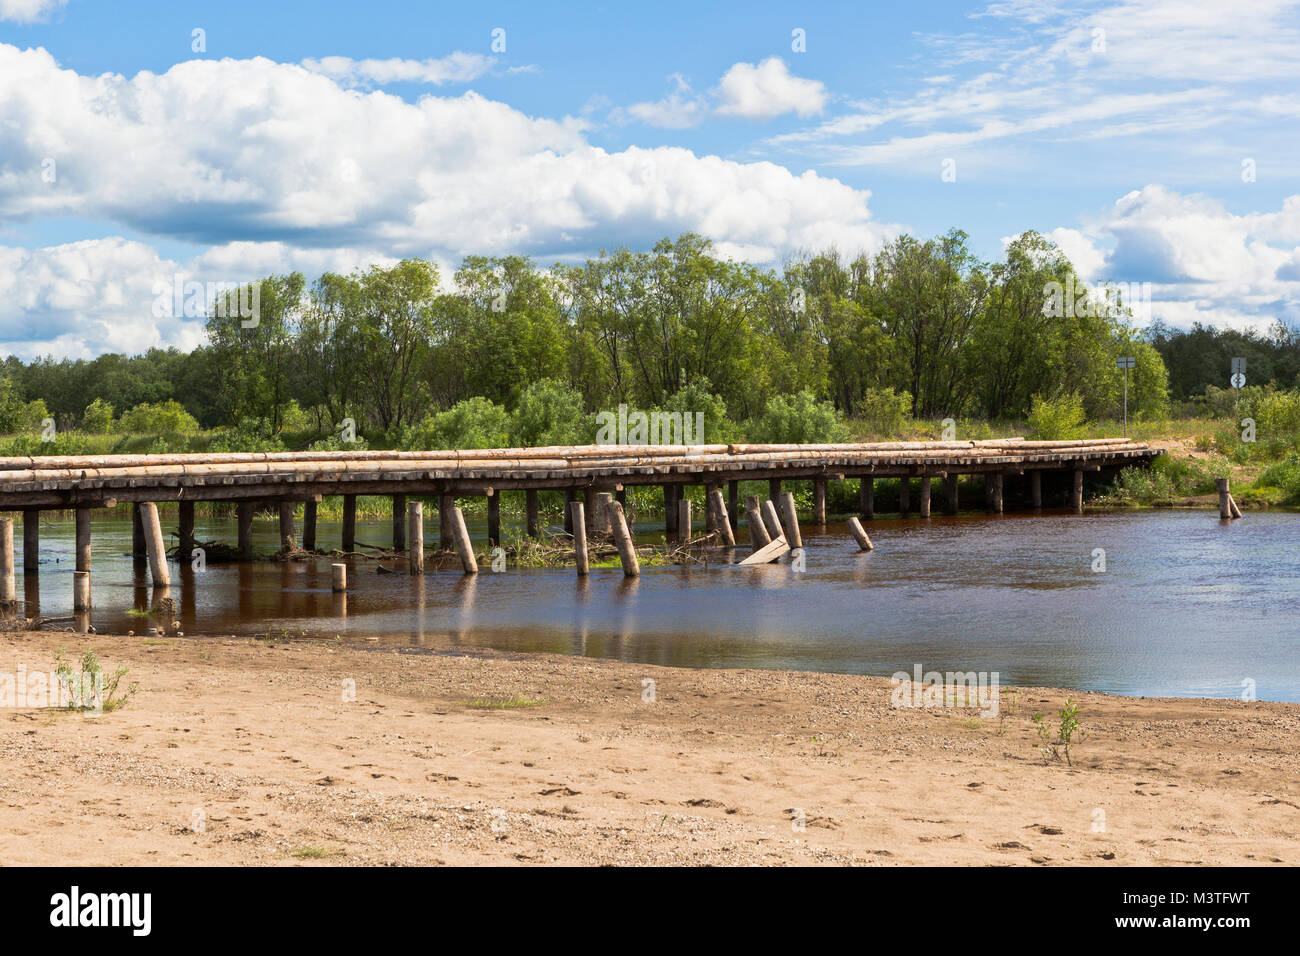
(92, 689)
(504, 703)
(1006, 709)
(1058, 745)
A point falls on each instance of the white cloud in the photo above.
(681, 109)
(455, 68)
(1205, 263)
(274, 166)
(28, 11)
(764, 90)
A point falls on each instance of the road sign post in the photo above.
(1125, 364)
(1238, 380)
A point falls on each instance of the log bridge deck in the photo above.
(33, 484)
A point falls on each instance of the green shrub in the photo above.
(549, 412)
(473, 423)
(1055, 419)
(98, 417)
(250, 435)
(1284, 476)
(168, 416)
(798, 420)
(883, 411)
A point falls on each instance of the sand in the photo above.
(243, 752)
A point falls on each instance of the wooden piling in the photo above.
(244, 517)
(950, 492)
(153, 539)
(774, 488)
(1036, 488)
(792, 536)
(710, 515)
(139, 550)
(623, 541)
(758, 536)
(995, 499)
(819, 500)
(579, 521)
(684, 520)
(8, 581)
(670, 511)
(532, 513)
(415, 535)
(604, 512)
(904, 495)
(867, 497)
(860, 535)
(80, 590)
(463, 544)
(446, 535)
(288, 535)
(349, 543)
(338, 577)
(733, 502)
(83, 537)
(31, 542)
(309, 524)
(494, 518)
(1076, 492)
(1232, 506)
(925, 496)
(570, 496)
(399, 522)
(1225, 509)
(772, 521)
(725, 533)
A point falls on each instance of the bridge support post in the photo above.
(684, 520)
(309, 525)
(446, 532)
(494, 517)
(733, 502)
(244, 513)
(415, 531)
(819, 501)
(463, 543)
(184, 532)
(349, 542)
(531, 510)
(758, 536)
(139, 550)
(792, 536)
(904, 495)
(950, 491)
(670, 510)
(710, 518)
(867, 497)
(399, 522)
(31, 542)
(578, 517)
(1076, 492)
(287, 535)
(153, 538)
(623, 541)
(83, 539)
(925, 496)
(1036, 488)
(80, 591)
(995, 497)
(774, 488)
(570, 496)
(604, 512)
(8, 583)
(723, 520)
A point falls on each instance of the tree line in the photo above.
(923, 328)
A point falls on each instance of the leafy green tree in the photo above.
(98, 417)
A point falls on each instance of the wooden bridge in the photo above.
(82, 483)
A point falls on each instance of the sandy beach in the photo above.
(246, 752)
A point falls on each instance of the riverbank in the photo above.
(241, 752)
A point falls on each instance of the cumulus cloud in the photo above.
(1205, 263)
(272, 165)
(767, 89)
(681, 109)
(455, 68)
(28, 11)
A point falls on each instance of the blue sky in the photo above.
(1155, 141)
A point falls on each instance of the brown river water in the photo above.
(1186, 606)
